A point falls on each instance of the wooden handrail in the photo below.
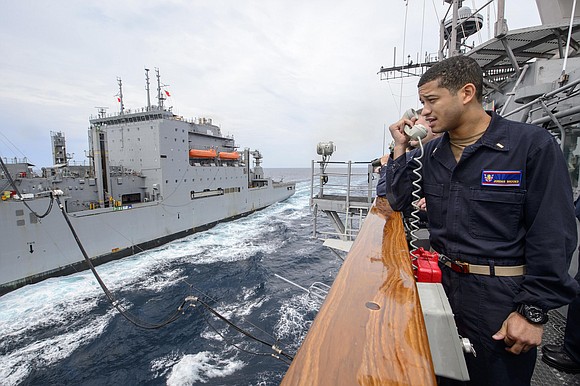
(370, 329)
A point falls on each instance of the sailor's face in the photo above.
(441, 108)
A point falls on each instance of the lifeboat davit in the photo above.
(229, 155)
(196, 153)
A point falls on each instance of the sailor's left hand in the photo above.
(518, 334)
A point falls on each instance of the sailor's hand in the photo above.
(421, 204)
(518, 334)
(397, 130)
(384, 159)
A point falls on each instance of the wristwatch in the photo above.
(533, 314)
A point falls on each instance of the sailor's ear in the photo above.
(468, 93)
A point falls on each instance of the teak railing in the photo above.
(370, 329)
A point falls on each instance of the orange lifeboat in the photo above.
(229, 155)
(196, 153)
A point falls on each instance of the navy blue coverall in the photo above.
(572, 333)
(508, 201)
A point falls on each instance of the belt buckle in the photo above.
(460, 266)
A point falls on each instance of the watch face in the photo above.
(535, 315)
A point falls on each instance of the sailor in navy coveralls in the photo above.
(500, 211)
(566, 357)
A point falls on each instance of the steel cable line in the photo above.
(180, 310)
(13, 184)
(127, 315)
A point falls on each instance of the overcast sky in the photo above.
(278, 75)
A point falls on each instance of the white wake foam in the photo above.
(295, 318)
(17, 364)
(201, 367)
(62, 304)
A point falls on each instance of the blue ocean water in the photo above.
(64, 331)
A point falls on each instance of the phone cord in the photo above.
(416, 197)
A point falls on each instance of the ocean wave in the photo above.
(200, 367)
(45, 323)
(295, 317)
(18, 364)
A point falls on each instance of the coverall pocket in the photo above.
(495, 215)
(434, 199)
(493, 313)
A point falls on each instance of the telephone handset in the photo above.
(418, 130)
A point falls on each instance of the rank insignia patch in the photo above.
(501, 177)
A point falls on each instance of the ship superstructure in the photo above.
(530, 74)
(153, 177)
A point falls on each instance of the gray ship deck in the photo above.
(544, 374)
(332, 201)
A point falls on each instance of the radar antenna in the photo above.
(101, 111)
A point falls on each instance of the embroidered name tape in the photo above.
(501, 177)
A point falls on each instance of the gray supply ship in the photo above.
(152, 177)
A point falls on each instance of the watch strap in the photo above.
(533, 314)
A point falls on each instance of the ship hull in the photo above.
(36, 250)
(153, 176)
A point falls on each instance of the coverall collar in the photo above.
(495, 137)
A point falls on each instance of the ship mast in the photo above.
(501, 28)
(121, 95)
(160, 97)
(453, 46)
(147, 88)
